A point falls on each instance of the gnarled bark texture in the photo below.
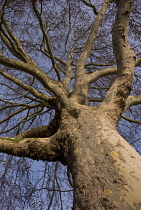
(104, 167)
(106, 170)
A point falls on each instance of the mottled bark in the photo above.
(106, 170)
(104, 167)
(116, 96)
(34, 148)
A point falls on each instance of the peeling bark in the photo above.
(115, 100)
(104, 167)
(106, 170)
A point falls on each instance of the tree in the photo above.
(53, 56)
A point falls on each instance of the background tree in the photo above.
(67, 67)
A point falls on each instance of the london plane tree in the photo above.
(75, 61)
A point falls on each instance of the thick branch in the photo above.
(101, 73)
(106, 71)
(68, 72)
(95, 99)
(138, 62)
(34, 148)
(41, 131)
(125, 58)
(46, 81)
(90, 41)
(81, 85)
(132, 100)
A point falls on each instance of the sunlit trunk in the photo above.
(106, 170)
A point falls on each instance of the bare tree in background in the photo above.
(69, 77)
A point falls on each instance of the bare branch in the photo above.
(15, 113)
(90, 41)
(34, 148)
(101, 73)
(45, 52)
(46, 81)
(138, 62)
(47, 40)
(25, 95)
(116, 97)
(30, 66)
(40, 131)
(131, 120)
(99, 88)
(68, 75)
(132, 100)
(104, 72)
(17, 104)
(81, 83)
(90, 5)
(96, 99)
(25, 119)
(11, 46)
(13, 43)
(98, 64)
(30, 89)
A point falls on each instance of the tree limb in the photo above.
(90, 5)
(80, 65)
(68, 73)
(106, 71)
(138, 62)
(33, 91)
(95, 99)
(116, 97)
(31, 68)
(132, 100)
(101, 73)
(34, 148)
(41, 131)
(13, 43)
(46, 37)
(90, 41)
(131, 120)
(18, 104)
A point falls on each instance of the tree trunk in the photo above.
(106, 170)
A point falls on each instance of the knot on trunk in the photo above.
(74, 113)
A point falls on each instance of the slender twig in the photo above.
(90, 5)
(131, 120)
(47, 40)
